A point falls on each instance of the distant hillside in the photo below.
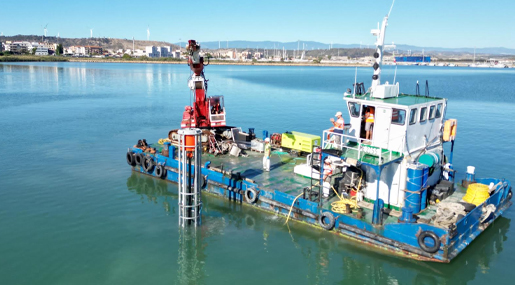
(106, 43)
(311, 45)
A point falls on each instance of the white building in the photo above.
(138, 53)
(151, 51)
(41, 50)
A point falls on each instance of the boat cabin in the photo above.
(406, 130)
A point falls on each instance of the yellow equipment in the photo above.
(300, 142)
(477, 193)
(449, 130)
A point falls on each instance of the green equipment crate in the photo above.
(300, 142)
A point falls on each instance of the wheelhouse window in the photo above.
(398, 116)
(432, 110)
(413, 116)
(439, 110)
(423, 114)
(354, 109)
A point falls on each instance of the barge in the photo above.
(385, 182)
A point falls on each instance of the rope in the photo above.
(162, 141)
(476, 194)
(339, 206)
(291, 208)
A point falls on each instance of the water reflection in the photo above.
(326, 257)
(191, 256)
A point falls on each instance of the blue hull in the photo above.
(396, 238)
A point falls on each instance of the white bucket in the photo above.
(471, 169)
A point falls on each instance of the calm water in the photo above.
(72, 212)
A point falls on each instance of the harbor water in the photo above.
(73, 212)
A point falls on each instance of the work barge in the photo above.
(387, 183)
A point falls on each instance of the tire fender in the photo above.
(148, 164)
(160, 171)
(428, 234)
(251, 195)
(326, 220)
(131, 160)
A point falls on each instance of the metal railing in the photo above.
(332, 140)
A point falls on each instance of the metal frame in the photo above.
(190, 202)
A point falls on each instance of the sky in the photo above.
(431, 23)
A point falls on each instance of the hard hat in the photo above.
(267, 140)
(338, 113)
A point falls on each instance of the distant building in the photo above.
(412, 59)
(41, 50)
(138, 53)
(18, 47)
(246, 55)
(91, 50)
(151, 51)
(177, 54)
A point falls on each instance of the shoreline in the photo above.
(26, 58)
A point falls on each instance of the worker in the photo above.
(328, 170)
(338, 126)
(369, 122)
(216, 109)
(266, 157)
(347, 93)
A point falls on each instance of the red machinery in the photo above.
(206, 111)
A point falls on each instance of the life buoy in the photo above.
(160, 171)
(148, 165)
(139, 158)
(251, 195)
(436, 241)
(326, 220)
(130, 158)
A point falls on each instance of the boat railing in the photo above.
(359, 148)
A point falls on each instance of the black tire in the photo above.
(376, 54)
(436, 241)
(251, 195)
(131, 160)
(510, 194)
(329, 224)
(139, 158)
(160, 171)
(148, 165)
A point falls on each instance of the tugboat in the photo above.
(384, 181)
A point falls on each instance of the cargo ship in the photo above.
(383, 179)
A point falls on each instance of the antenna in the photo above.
(394, 75)
(91, 33)
(44, 29)
(355, 80)
(391, 9)
(148, 33)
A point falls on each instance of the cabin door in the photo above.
(381, 131)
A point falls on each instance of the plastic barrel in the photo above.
(413, 186)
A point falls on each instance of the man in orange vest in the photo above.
(369, 121)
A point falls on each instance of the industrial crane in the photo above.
(206, 112)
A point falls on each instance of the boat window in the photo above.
(423, 114)
(413, 116)
(354, 109)
(439, 110)
(432, 112)
(398, 116)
